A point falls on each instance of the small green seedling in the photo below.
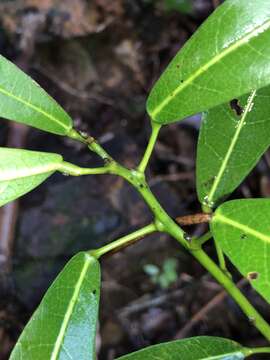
(165, 276)
(222, 71)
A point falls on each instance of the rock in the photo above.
(74, 216)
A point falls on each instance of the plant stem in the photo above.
(74, 170)
(125, 240)
(92, 144)
(261, 350)
(193, 219)
(75, 135)
(164, 223)
(198, 242)
(235, 293)
(151, 144)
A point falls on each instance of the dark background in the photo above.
(99, 59)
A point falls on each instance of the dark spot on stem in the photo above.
(94, 292)
(243, 236)
(84, 134)
(236, 107)
(252, 275)
(107, 161)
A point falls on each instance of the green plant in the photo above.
(164, 276)
(223, 71)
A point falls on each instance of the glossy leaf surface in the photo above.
(197, 348)
(242, 229)
(226, 58)
(24, 101)
(64, 325)
(23, 170)
(232, 139)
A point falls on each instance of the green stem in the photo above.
(166, 224)
(163, 221)
(151, 144)
(253, 315)
(74, 170)
(261, 350)
(92, 144)
(75, 135)
(125, 240)
(197, 243)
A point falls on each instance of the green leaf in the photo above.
(23, 170)
(226, 58)
(24, 101)
(196, 348)
(241, 228)
(64, 325)
(231, 142)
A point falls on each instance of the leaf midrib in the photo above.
(224, 163)
(32, 106)
(69, 311)
(218, 217)
(27, 172)
(257, 30)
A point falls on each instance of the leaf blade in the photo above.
(235, 35)
(24, 101)
(241, 227)
(67, 299)
(23, 170)
(197, 348)
(230, 144)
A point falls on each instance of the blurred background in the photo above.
(99, 59)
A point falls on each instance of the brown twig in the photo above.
(193, 219)
(16, 139)
(201, 314)
(9, 212)
(8, 217)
